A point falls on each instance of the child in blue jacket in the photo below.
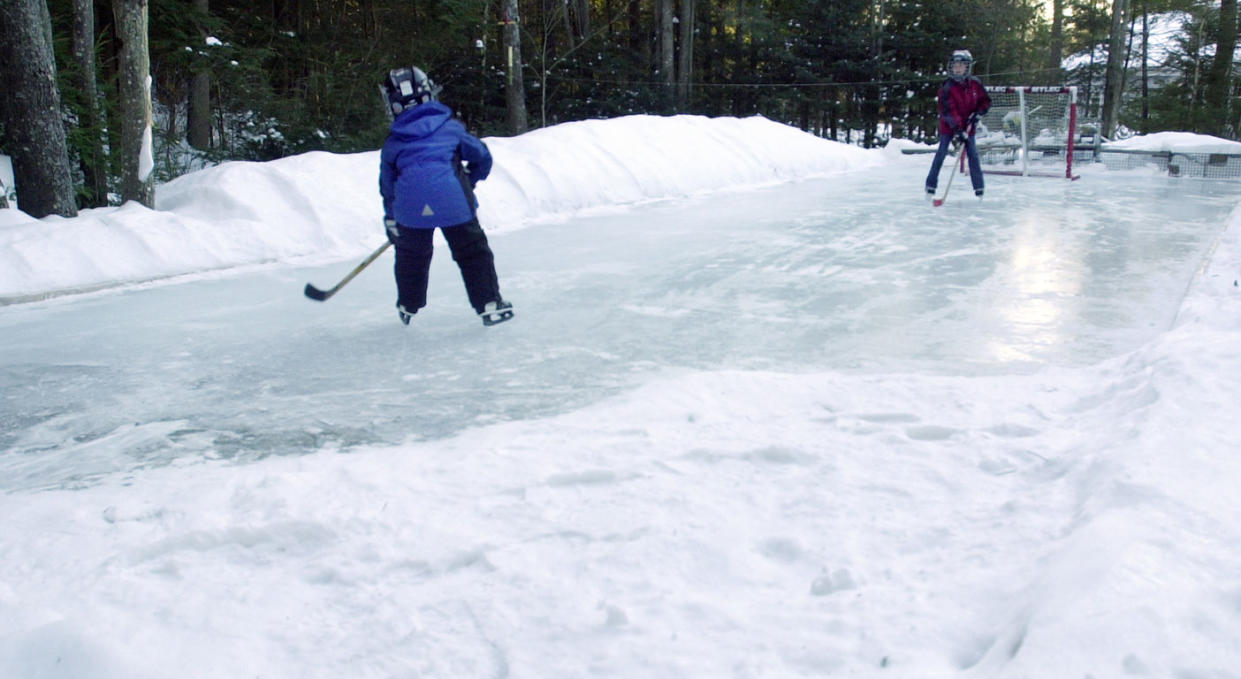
(427, 172)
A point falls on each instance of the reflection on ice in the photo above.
(1037, 295)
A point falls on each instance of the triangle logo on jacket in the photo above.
(427, 211)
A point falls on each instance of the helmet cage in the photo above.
(405, 88)
(961, 57)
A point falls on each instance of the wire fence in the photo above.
(1173, 163)
(1204, 165)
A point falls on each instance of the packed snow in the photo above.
(324, 205)
(763, 412)
(1180, 142)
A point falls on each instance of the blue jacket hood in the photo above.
(421, 121)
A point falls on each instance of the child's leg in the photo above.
(932, 178)
(413, 262)
(971, 152)
(473, 256)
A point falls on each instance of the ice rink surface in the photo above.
(814, 430)
(852, 273)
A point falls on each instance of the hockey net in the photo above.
(1029, 131)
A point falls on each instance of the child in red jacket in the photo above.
(962, 101)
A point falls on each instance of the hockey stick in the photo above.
(322, 295)
(956, 150)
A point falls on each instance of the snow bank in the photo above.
(1213, 296)
(598, 163)
(328, 206)
(1181, 142)
(6, 179)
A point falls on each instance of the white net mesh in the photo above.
(1028, 130)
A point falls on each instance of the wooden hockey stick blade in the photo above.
(322, 295)
(956, 150)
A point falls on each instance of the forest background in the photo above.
(264, 79)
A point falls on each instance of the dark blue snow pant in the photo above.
(469, 249)
(971, 152)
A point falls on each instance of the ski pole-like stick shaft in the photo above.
(957, 158)
(322, 295)
(956, 149)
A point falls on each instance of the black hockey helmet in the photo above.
(405, 88)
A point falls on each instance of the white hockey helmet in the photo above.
(961, 57)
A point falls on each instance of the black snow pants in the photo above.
(469, 249)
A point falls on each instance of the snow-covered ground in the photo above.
(763, 412)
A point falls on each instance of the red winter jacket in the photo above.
(958, 100)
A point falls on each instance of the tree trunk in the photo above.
(198, 130)
(1113, 82)
(1124, 71)
(634, 19)
(667, 46)
(93, 154)
(137, 155)
(685, 69)
(1056, 54)
(198, 117)
(1194, 94)
(569, 31)
(1146, 33)
(515, 90)
(30, 110)
(1219, 78)
(581, 15)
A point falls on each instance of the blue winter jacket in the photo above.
(421, 178)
